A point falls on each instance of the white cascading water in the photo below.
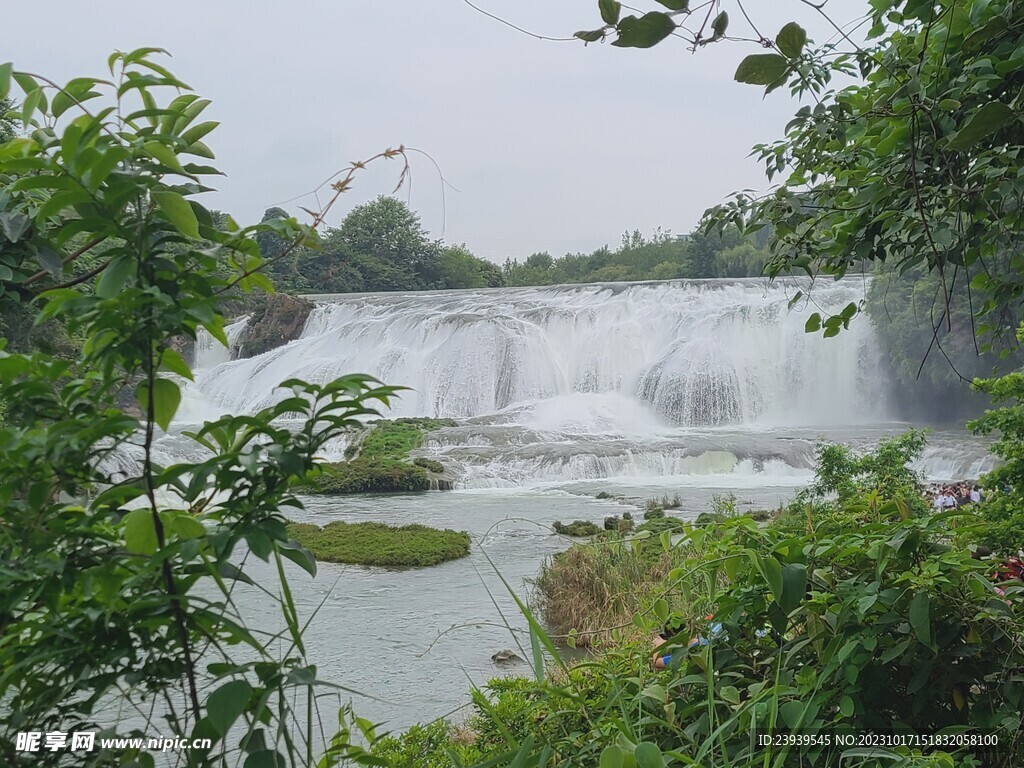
(700, 353)
(569, 383)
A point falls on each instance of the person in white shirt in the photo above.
(975, 494)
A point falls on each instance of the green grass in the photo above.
(380, 544)
(397, 438)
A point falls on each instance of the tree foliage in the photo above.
(118, 575)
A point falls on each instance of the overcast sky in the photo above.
(546, 145)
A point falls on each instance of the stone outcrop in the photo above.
(278, 319)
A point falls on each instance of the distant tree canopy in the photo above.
(380, 246)
(660, 257)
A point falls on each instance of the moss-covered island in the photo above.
(378, 461)
(380, 544)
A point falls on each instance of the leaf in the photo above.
(771, 570)
(299, 555)
(590, 37)
(791, 40)
(648, 755)
(49, 260)
(919, 619)
(792, 712)
(730, 694)
(183, 524)
(649, 30)
(177, 211)
(14, 225)
(139, 532)
(196, 132)
(225, 704)
(794, 586)
(163, 154)
(762, 69)
(113, 278)
(5, 79)
(661, 609)
(987, 120)
(720, 24)
(265, 758)
(612, 757)
(675, 5)
(166, 398)
(610, 10)
(846, 706)
(172, 361)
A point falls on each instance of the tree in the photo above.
(386, 243)
(117, 583)
(461, 269)
(917, 162)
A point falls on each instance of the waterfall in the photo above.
(209, 353)
(682, 353)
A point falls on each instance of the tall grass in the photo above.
(592, 591)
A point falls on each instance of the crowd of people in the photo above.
(954, 495)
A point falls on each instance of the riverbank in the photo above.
(862, 618)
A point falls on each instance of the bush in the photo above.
(378, 460)
(654, 513)
(368, 475)
(577, 528)
(429, 464)
(658, 525)
(605, 495)
(1002, 511)
(379, 544)
(424, 746)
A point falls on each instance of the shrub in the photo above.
(577, 528)
(605, 495)
(377, 460)
(429, 464)
(368, 475)
(424, 746)
(380, 544)
(661, 524)
(1002, 511)
(653, 513)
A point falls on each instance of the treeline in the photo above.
(381, 246)
(660, 257)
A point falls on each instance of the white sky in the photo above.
(551, 145)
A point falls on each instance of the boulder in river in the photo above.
(506, 657)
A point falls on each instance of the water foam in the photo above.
(698, 353)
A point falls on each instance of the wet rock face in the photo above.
(279, 319)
